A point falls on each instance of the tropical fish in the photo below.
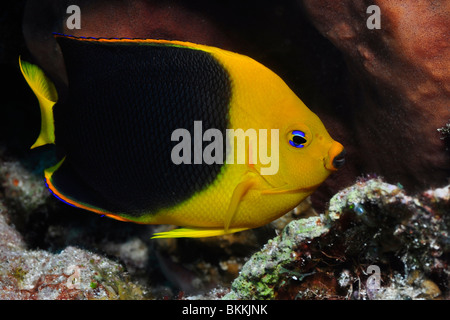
(115, 129)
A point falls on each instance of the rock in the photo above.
(397, 89)
(266, 270)
(370, 227)
(413, 286)
(24, 192)
(71, 274)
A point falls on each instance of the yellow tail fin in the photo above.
(47, 96)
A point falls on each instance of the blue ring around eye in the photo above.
(298, 133)
(296, 145)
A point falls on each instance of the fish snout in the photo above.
(336, 157)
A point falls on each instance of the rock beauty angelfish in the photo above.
(126, 98)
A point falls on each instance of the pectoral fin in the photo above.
(279, 190)
(238, 193)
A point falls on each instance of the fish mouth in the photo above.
(339, 160)
(336, 157)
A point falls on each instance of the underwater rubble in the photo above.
(72, 273)
(375, 242)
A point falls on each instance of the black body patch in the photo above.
(115, 127)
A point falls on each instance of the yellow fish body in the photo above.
(127, 132)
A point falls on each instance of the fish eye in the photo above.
(297, 139)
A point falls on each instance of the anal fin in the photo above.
(195, 233)
(65, 185)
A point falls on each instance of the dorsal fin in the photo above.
(47, 96)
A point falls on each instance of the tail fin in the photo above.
(47, 96)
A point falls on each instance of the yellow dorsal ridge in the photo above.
(47, 96)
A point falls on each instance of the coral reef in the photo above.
(369, 226)
(72, 273)
(268, 269)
